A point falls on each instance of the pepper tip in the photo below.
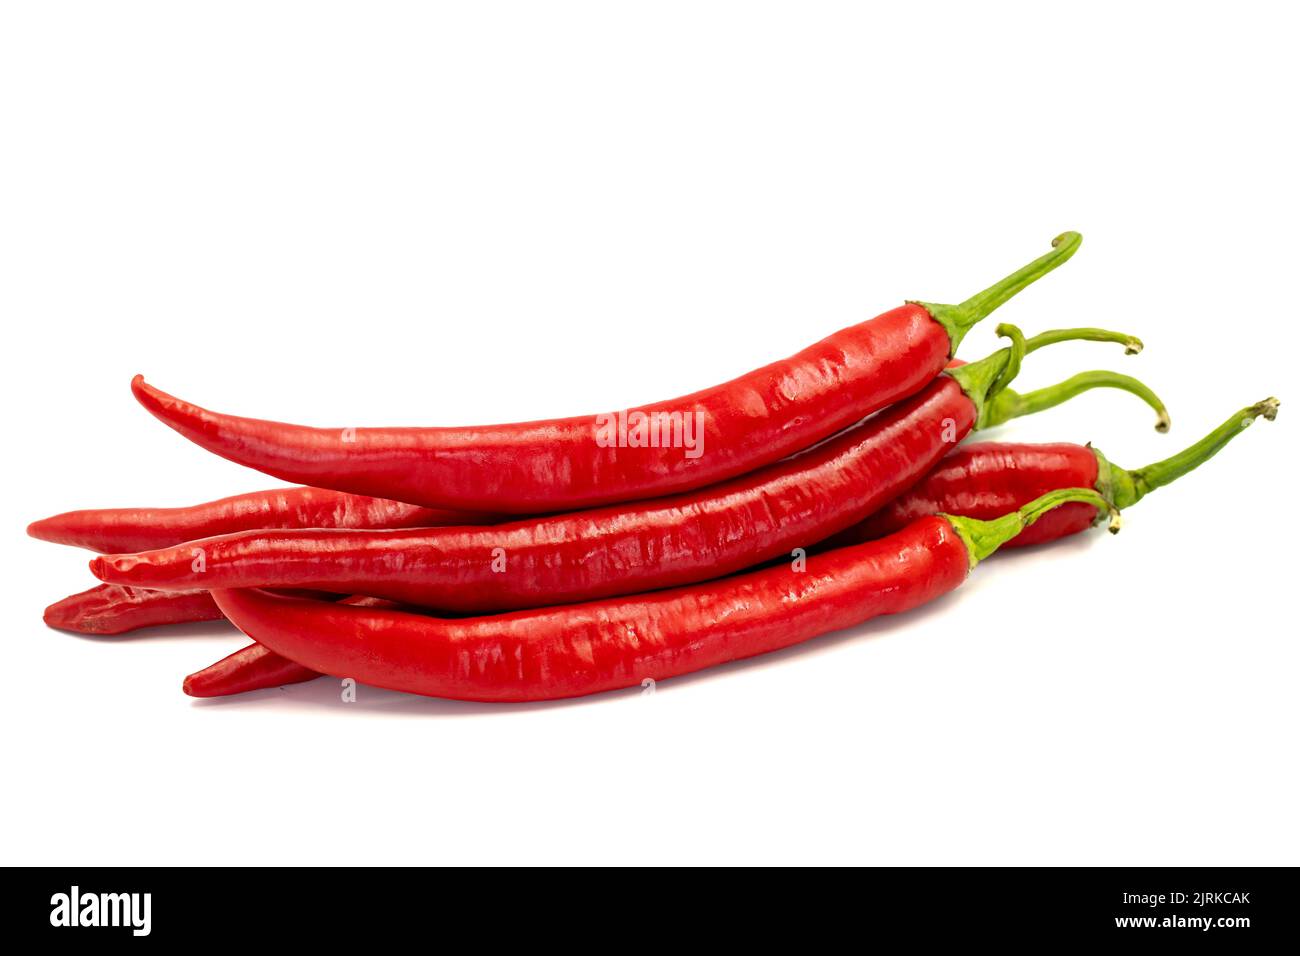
(55, 616)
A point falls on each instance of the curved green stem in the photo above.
(1011, 368)
(958, 319)
(982, 538)
(1132, 344)
(1126, 488)
(1008, 404)
(984, 382)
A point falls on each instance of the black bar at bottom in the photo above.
(141, 907)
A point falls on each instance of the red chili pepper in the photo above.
(114, 609)
(627, 548)
(573, 650)
(987, 479)
(583, 462)
(114, 530)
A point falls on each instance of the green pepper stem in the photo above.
(1126, 488)
(982, 538)
(985, 381)
(1132, 344)
(1007, 404)
(1015, 357)
(958, 319)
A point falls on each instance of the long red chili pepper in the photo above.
(572, 650)
(987, 479)
(658, 449)
(115, 609)
(115, 530)
(622, 549)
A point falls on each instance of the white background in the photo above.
(362, 214)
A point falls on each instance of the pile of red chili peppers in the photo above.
(565, 557)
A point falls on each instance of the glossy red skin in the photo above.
(555, 465)
(114, 609)
(573, 650)
(111, 530)
(987, 479)
(585, 555)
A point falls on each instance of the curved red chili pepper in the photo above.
(573, 650)
(615, 550)
(987, 479)
(584, 462)
(113, 530)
